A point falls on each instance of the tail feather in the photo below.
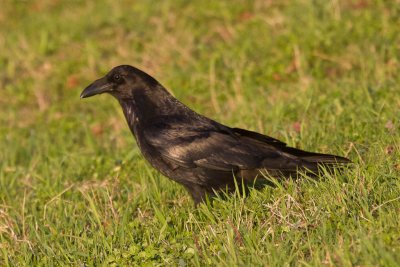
(261, 139)
(296, 159)
(311, 165)
(315, 163)
(316, 157)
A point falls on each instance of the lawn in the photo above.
(319, 75)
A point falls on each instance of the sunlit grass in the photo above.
(320, 75)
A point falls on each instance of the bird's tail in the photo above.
(316, 157)
(293, 159)
(315, 162)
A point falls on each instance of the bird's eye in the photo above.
(117, 77)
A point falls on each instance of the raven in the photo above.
(193, 150)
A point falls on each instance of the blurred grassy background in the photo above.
(320, 75)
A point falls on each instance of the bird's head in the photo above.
(121, 82)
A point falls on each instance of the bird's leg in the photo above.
(197, 192)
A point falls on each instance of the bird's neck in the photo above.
(146, 105)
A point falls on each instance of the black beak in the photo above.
(97, 87)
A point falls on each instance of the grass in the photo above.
(319, 75)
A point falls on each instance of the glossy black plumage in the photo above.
(195, 151)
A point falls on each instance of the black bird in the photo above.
(193, 150)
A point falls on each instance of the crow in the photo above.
(197, 152)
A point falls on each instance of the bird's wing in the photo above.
(257, 137)
(203, 145)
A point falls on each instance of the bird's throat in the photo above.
(128, 107)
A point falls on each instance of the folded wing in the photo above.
(217, 147)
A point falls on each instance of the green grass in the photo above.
(319, 75)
